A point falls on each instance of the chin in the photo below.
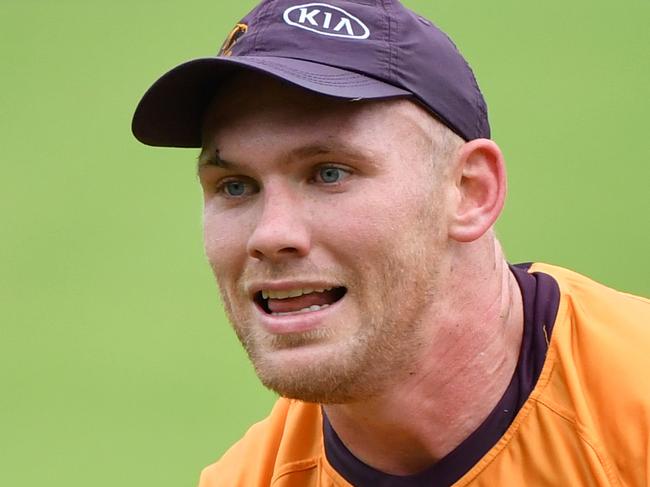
(317, 372)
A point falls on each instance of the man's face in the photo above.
(325, 226)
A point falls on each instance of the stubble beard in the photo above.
(380, 352)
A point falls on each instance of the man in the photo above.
(350, 190)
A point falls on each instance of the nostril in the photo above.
(270, 253)
(257, 254)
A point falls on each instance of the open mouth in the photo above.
(295, 301)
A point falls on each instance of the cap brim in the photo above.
(170, 114)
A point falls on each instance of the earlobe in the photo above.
(480, 189)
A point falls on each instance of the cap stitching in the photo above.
(478, 96)
(477, 99)
(342, 79)
(477, 93)
(262, 24)
(389, 43)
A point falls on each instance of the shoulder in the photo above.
(598, 363)
(290, 435)
(596, 309)
(602, 329)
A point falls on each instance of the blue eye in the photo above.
(234, 188)
(331, 174)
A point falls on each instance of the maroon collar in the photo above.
(541, 297)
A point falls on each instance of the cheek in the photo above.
(223, 244)
(380, 219)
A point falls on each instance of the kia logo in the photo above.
(326, 20)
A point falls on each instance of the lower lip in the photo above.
(295, 323)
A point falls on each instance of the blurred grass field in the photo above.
(116, 364)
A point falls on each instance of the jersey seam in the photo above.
(636, 298)
(514, 428)
(293, 467)
(580, 431)
(563, 309)
(327, 467)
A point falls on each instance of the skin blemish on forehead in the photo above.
(212, 158)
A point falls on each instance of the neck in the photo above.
(471, 354)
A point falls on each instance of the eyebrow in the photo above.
(351, 152)
(321, 148)
(213, 158)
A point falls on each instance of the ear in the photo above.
(479, 189)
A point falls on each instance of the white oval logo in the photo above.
(326, 20)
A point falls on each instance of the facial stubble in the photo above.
(365, 359)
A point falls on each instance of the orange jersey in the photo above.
(586, 421)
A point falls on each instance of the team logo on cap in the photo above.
(326, 20)
(238, 31)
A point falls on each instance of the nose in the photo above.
(282, 230)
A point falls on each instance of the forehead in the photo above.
(251, 105)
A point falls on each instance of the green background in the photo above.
(116, 364)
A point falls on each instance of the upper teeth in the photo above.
(291, 293)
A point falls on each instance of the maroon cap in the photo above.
(364, 49)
